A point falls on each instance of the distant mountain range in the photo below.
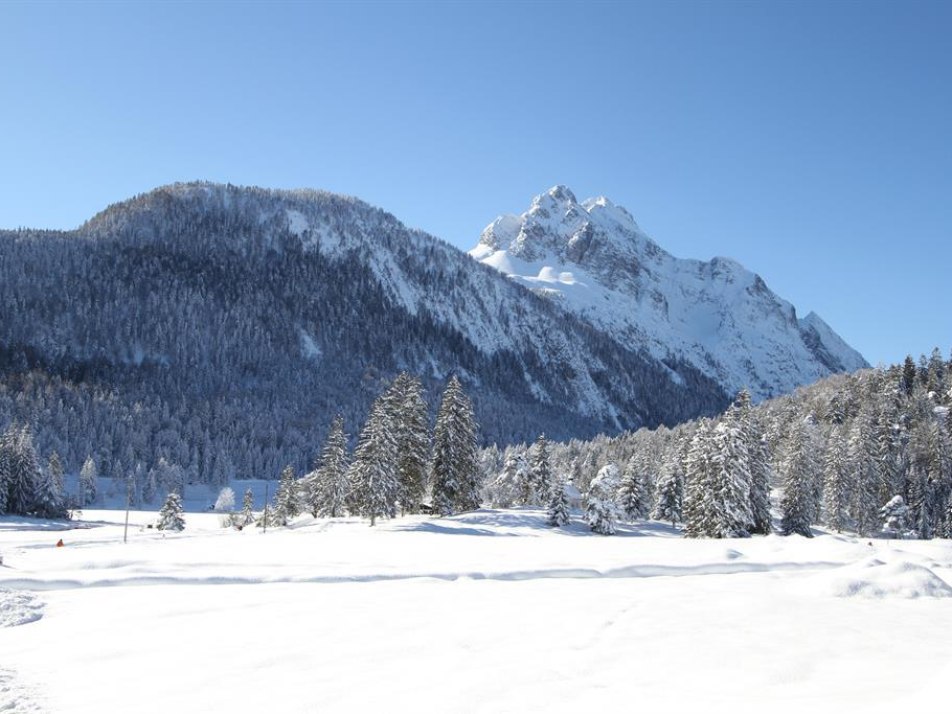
(222, 327)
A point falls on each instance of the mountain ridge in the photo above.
(593, 259)
(237, 321)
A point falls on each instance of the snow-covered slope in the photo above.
(251, 297)
(594, 260)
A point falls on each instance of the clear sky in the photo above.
(812, 142)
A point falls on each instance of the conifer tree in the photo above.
(600, 509)
(88, 482)
(798, 472)
(633, 490)
(908, 375)
(454, 468)
(670, 493)
(700, 516)
(758, 460)
(247, 516)
(861, 455)
(836, 479)
(49, 501)
(327, 487)
(409, 417)
(6, 472)
(170, 516)
(373, 473)
(286, 498)
(24, 473)
(719, 482)
(54, 467)
(559, 512)
(540, 471)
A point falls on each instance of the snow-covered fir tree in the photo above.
(601, 512)
(54, 467)
(758, 458)
(454, 467)
(718, 491)
(23, 471)
(171, 516)
(633, 496)
(286, 501)
(49, 500)
(6, 466)
(670, 503)
(701, 519)
(861, 454)
(836, 482)
(247, 515)
(410, 419)
(328, 486)
(540, 471)
(559, 512)
(374, 481)
(799, 472)
(88, 482)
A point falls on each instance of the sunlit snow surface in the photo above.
(487, 612)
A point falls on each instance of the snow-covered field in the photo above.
(486, 612)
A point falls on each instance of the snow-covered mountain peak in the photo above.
(594, 260)
(595, 233)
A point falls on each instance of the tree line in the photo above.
(399, 465)
(868, 453)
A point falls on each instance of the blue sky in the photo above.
(810, 141)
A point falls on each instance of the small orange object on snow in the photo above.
(60, 543)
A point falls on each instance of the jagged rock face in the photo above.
(594, 260)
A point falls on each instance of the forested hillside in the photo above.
(868, 452)
(219, 330)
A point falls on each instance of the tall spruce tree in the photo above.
(24, 473)
(836, 482)
(54, 467)
(454, 468)
(799, 472)
(373, 473)
(286, 499)
(540, 471)
(6, 467)
(861, 454)
(49, 500)
(247, 515)
(758, 458)
(406, 406)
(670, 503)
(558, 513)
(633, 489)
(701, 518)
(328, 486)
(718, 482)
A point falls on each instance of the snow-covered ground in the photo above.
(486, 612)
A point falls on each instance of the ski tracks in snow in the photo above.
(17, 608)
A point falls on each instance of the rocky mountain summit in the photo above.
(593, 260)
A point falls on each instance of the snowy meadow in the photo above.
(489, 611)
